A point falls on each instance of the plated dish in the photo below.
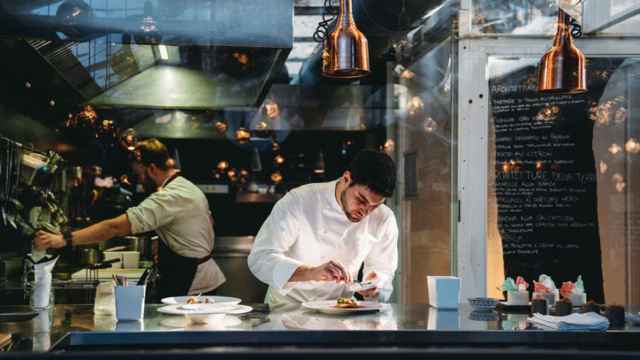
(332, 307)
(205, 309)
(204, 299)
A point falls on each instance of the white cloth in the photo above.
(41, 292)
(180, 214)
(574, 322)
(308, 226)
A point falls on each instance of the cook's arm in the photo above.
(267, 260)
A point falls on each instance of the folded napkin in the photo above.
(574, 322)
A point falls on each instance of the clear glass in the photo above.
(562, 179)
(519, 17)
(425, 145)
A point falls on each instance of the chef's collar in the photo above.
(170, 179)
(330, 196)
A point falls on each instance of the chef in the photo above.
(319, 235)
(178, 211)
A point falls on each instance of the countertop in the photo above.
(74, 327)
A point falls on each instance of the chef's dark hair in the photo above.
(374, 169)
(152, 151)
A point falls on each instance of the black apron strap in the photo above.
(176, 272)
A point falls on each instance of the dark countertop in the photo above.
(74, 327)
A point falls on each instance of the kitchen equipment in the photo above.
(230, 253)
(128, 259)
(88, 256)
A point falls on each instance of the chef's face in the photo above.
(357, 200)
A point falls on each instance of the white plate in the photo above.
(329, 307)
(212, 299)
(204, 309)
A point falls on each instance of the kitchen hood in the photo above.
(159, 54)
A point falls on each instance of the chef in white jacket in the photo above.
(318, 236)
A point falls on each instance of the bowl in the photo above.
(483, 303)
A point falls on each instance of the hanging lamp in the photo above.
(346, 51)
(562, 69)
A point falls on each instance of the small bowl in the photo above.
(483, 303)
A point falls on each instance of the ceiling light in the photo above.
(346, 50)
(164, 54)
(562, 69)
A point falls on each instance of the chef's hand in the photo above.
(329, 271)
(44, 240)
(370, 293)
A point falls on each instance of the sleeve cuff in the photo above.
(283, 271)
(134, 221)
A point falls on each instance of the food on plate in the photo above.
(347, 303)
(197, 300)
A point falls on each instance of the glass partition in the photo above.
(562, 178)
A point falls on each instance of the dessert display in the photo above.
(517, 293)
(574, 292)
(539, 306)
(590, 306)
(545, 288)
(563, 307)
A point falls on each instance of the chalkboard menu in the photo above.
(545, 179)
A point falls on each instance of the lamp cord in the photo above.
(576, 28)
(329, 14)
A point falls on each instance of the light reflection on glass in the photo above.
(615, 149)
(603, 167)
(632, 146)
(415, 105)
(271, 109)
(430, 125)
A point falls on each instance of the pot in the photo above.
(89, 256)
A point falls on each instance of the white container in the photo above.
(444, 291)
(443, 319)
(130, 302)
(128, 259)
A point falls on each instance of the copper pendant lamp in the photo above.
(563, 68)
(346, 51)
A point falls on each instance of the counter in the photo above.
(69, 328)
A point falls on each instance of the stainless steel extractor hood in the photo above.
(222, 52)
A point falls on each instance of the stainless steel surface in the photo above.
(230, 253)
(417, 325)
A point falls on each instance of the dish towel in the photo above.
(575, 322)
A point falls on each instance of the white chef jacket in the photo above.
(308, 226)
(179, 212)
